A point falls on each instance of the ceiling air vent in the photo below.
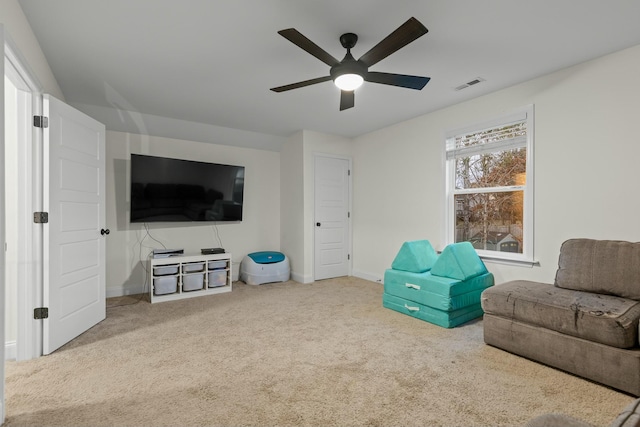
(470, 83)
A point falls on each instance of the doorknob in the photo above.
(103, 231)
(318, 224)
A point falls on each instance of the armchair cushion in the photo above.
(605, 319)
(607, 267)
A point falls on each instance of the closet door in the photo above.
(331, 216)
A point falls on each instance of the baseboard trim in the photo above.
(301, 278)
(235, 271)
(10, 350)
(120, 291)
(367, 276)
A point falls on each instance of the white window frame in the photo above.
(525, 113)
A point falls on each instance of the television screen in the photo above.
(174, 190)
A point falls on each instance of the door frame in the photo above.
(30, 273)
(315, 155)
(2, 221)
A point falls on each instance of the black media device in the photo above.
(175, 190)
(165, 253)
(211, 251)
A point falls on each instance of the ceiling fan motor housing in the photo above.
(348, 65)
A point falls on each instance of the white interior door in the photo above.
(332, 222)
(74, 248)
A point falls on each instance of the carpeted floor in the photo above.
(288, 354)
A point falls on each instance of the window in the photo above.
(489, 170)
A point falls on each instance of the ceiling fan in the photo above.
(349, 74)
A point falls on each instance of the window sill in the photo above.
(506, 261)
(514, 262)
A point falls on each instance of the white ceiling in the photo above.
(213, 61)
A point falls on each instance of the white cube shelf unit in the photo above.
(188, 276)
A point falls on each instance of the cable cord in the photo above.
(140, 243)
(217, 234)
(146, 227)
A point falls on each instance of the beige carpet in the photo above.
(289, 354)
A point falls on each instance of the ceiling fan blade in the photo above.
(301, 84)
(347, 99)
(295, 37)
(402, 36)
(402, 80)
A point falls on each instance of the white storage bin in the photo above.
(215, 265)
(192, 282)
(217, 278)
(192, 267)
(165, 285)
(165, 270)
(253, 273)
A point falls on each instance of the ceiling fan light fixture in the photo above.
(349, 81)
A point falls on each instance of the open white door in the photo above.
(74, 247)
(331, 212)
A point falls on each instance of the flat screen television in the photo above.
(175, 190)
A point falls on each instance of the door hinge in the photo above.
(41, 121)
(348, 256)
(348, 214)
(41, 313)
(41, 217)
(348, 172)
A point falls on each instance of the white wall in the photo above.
(586, 153)
(292, 204)
(297, 157)
(398, 190)
(259, 230)
(19, 33)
